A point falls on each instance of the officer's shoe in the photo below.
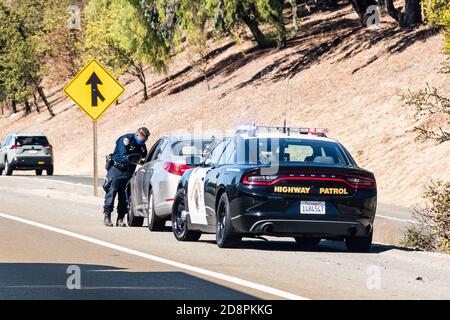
(107, 221)
(120, 223)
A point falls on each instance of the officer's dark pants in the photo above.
(118, 180)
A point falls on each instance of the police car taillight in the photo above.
(176, 168)
(259, 179)
(362, 182)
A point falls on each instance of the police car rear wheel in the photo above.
(179, 226)
(133, 221)
(155, 223)
(359, 244)
(225, 235)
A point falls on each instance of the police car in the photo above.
(277, 181)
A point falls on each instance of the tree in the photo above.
(173, 18)
(24, 55)
(117, 33)
(198, 55)
(429, 102)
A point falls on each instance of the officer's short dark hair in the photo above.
(144, 131)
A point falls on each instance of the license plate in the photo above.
(41, 162)
(32, 151)
(312, 207)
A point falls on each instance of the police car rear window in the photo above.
(32, 141)
(290, 151)
(190, 147)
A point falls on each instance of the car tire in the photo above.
(155, 223)
(133, 221)
(226, 237)
(9, 168)
(39, 172)
(49, 171)
(179, 227)
(307, 241)
(359, 244)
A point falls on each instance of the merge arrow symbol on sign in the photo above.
(94, 81)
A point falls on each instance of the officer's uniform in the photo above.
(121, 172)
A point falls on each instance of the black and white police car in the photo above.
(277, 181)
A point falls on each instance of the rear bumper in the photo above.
(325, 228)
(31, 163)
(280, 216)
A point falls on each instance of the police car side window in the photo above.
(5, 143)
(217, 152)
(8, 141)
(229, 155)
(159, 149)
(152, 151)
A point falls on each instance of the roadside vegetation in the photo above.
(432, 229)
(37, 48)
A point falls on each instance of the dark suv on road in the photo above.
(26, 152)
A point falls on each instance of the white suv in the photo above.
(26, 152)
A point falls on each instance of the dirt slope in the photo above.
(333, 74)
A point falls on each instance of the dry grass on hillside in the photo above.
(333, 74)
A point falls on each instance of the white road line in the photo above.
(396, 219)
(55, 180)
(65, 182)
(212, 274)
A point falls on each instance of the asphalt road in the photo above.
(46, 226)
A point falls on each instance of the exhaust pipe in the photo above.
(267, 227)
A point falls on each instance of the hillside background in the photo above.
(334, 74)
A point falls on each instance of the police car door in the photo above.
(198, 210)
(139, 188)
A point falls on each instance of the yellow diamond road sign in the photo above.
(94, 89)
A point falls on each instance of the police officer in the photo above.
(130, 148)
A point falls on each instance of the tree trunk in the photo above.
(411, 16)
(258, 36)
(413, 13)
(361, 6)
(14, 105)
(36, 104)
(44, 98)
(393, 11)
(251, 22)
(205, 74)
(27, 106)
(142, 78)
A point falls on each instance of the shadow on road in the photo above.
(49, 281)
(324, 246)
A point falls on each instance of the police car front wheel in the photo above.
(179, 223)
(155, 223)
(133, 221)
(226, 237)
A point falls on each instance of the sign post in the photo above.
(94, 133)
(94, 89)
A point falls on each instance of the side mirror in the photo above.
(193, 161)
(134, 158)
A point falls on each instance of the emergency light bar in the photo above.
(254, 129)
